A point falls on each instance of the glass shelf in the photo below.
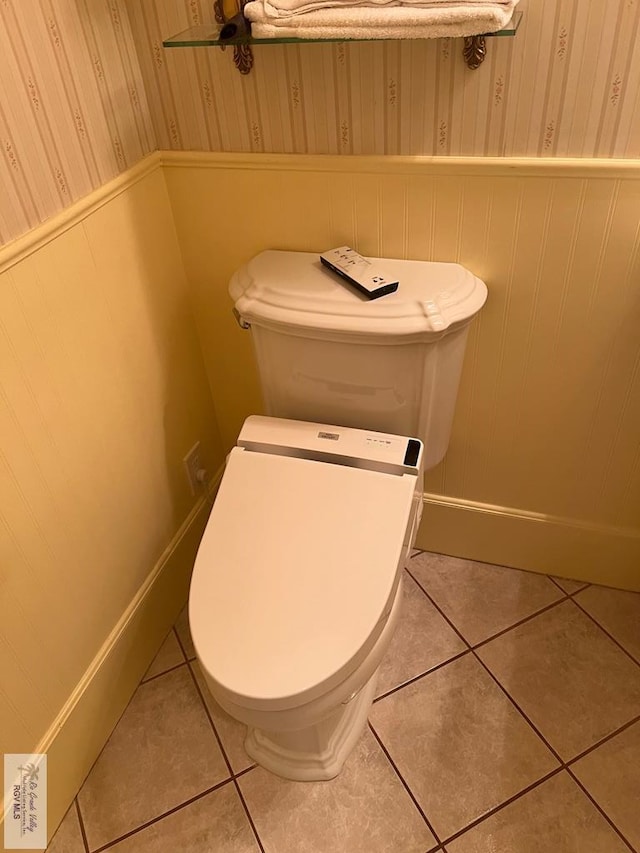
(208, 37)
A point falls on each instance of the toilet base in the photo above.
(317, 752)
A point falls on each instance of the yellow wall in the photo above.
(543, 469)
(102, 392)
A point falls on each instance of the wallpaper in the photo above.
(73, 108)
(86, 90)
(568, 84)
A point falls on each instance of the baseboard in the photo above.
(81, 729)
(532, 541)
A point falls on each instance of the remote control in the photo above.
(359, 272)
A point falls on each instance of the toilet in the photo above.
(297, 583)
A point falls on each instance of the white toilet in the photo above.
(297, 583)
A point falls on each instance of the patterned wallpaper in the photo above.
(567, 85)
(73, 108)
(86, 90)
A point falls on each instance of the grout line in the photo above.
(564, 765)
(422, 675)
(210, 718)
(232, 778)
(492, 565)
(82, 829)
(601, 810)
(405, 785)
(555, 583)
(157, 819)
(522, 621)
(585, 584)
(491, 812)
(182, 647)
(605, 631)
(106, 743)
(164, 672)
(486, 668)
(566, 596)
(232, 773)
(175, 634)
(602, 741)
(245, 771)
(180, 643)
(248, 814)
(575, 591)
(555, 754)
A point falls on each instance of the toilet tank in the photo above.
(327, 354)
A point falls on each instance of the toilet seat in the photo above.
(295, 576)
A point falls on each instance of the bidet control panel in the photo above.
(357, 448)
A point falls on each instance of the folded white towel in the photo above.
(461, 8)
(382, 22)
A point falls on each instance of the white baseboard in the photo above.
(81, 729)
(533, 541)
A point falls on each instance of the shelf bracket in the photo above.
(474, 51)
(243, 57)
(242, 53)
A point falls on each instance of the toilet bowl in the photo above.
(296, 587)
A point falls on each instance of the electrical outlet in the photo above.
(192, 464)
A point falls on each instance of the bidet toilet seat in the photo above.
(295, 576)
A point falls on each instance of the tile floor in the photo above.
(507, 721)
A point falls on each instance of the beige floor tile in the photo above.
(556, 817)
(459, 743)
(231, 732)
(569, 678)
(611, 774)
(568, 585)
(68, 837)
(216, 823)
(184, 634)
(364, 810)
(422, 640)
(481, 599)
(162, 752)
(169, 655)
(617, 611)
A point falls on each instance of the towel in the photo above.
(444, 9)
(380, 22)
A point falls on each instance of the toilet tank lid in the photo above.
(293, 290)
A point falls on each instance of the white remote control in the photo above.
(359, 272)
